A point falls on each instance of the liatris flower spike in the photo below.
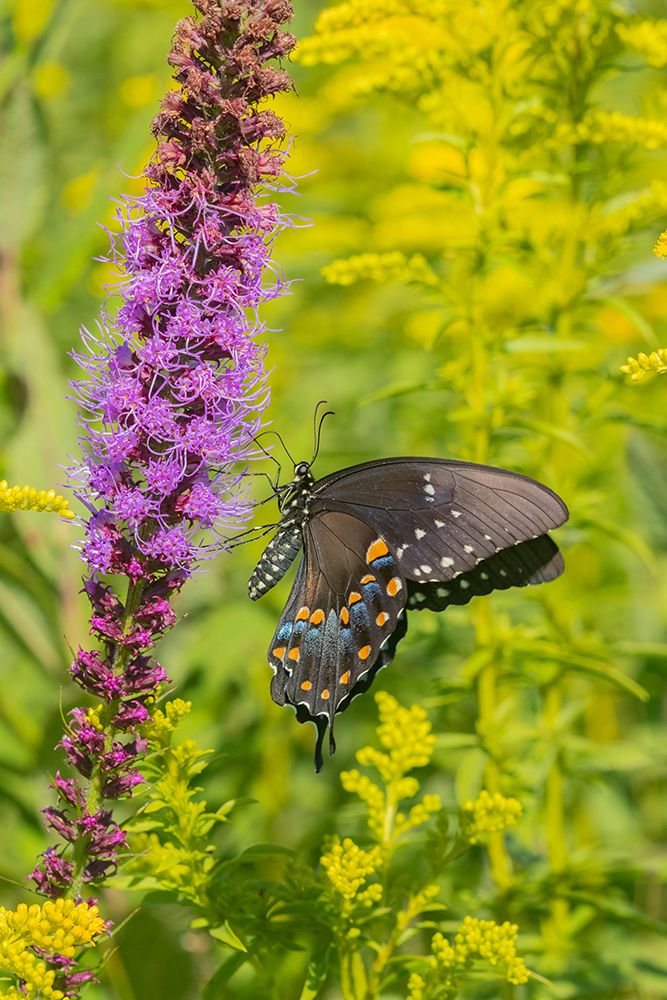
(175, 390)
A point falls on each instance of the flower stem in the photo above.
(555, 818)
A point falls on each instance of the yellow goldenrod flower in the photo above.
(380, 267)
(489, 814)
(492, 942)
(647, 39)
(613, 126)
(660, 248)
(58, 926)
(405, 734)
(643, 365)
(93, 717)
(347, 867)
(28, 498)
(416, 987)
(165, 721)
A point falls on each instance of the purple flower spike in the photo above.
(174, 389)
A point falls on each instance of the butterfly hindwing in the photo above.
(536, 561)
(337, 627)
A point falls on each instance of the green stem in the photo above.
(555, 817)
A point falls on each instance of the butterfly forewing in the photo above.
(444, 517)
(345, 605)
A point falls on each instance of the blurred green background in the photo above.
(555, 696)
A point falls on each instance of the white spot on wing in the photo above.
(484, 576)
(427, 477)
(469, 549)
(439, 524)
(419, 533)
(456, 513)
(426, 569)
(446, 562)
(430, 489)
(464, 584)
(442, 592)
(488, 538)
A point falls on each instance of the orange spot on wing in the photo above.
(325, 694)
(353, 597)
(278, 652)
(364, 652)
(382, 618)
(306, 685)
(369, 578)
(394, 586)
(344, 616)
(302, 614)
(345, 677)
(376, 550)
(317, 617)
(294, 654)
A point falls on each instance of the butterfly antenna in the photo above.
(317, 428)
(284, 446)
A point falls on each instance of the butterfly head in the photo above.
(294, 495)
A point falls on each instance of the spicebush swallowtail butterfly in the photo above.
(380, 539)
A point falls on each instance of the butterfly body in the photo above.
(381, 538)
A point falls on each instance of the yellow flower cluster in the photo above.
(94, 716)
(489, 814)
(380, 267)
(347, 867)
(619, 219)
(375, 30)
(660, 248)
(648, 39)
(165, 721)
(28, 498)
(60, 926)
(475, 940)
(405, 734)
(612, 126)
(643, 365)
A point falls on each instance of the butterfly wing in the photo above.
(537, 560)
(342, 622)
(445, 518)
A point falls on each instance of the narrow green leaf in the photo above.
(214, 989)
(226, 935)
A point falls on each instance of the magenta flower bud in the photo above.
(130, 715)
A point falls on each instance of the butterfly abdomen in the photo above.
(276, 559)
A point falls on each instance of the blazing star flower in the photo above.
(174, 391)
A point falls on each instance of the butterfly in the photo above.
(381, 539)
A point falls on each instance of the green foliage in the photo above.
(358, 911)
(486, 182)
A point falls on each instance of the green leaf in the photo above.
(214, 987)
(542, 344)
(554, 433)
(226, 935)
(316, 975)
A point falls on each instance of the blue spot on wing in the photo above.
(382, 562)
